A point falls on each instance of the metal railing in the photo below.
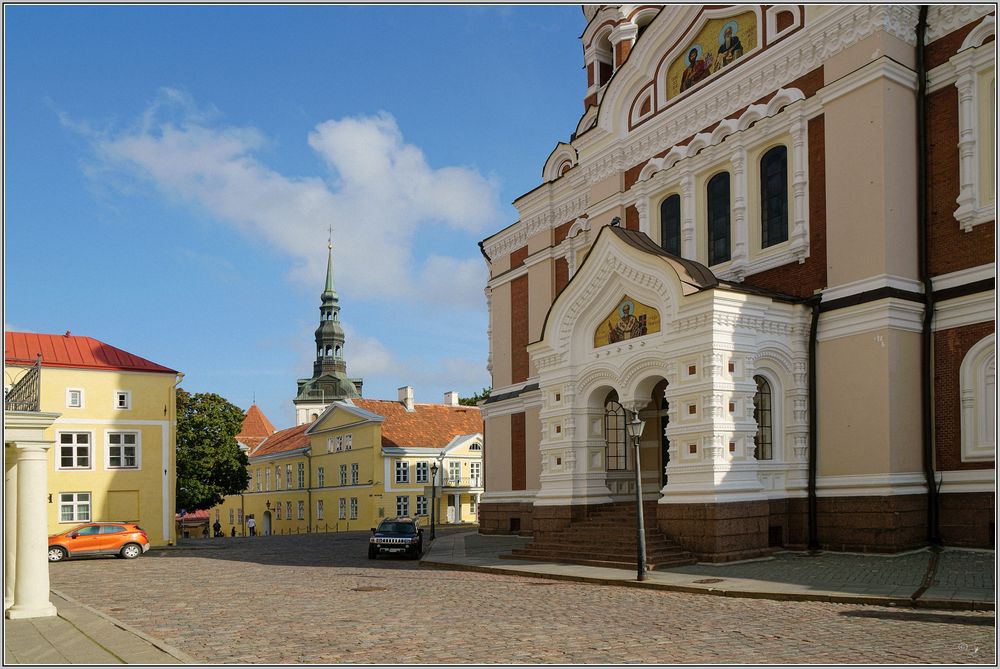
(25, 394)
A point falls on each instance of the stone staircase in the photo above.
(607, 538)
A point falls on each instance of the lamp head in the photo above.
(434, 468)
(635, 426)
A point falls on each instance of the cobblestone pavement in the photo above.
(318, 599)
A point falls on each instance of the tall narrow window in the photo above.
(718, 219)
(762, 414)
(670, 225)
(614, 433)
(774, 197)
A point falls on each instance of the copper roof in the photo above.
(71, 351)
(256, 428)
(286, 440)
(428, 425)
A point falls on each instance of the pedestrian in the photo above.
(252, 524)
(233, 533)
(217, 528)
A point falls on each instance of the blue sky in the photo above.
(170, 173)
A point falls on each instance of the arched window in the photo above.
(614, 433)
(337, 353)
(718, 219)
(978, 384)
(670, 225)
(762, 414)
(774, 197)
(329, 351)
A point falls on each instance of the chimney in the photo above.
(451, 398)
(406, 397)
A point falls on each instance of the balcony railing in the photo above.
(24, 395)
(461, 481)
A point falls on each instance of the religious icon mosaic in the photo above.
(718, 45)
(628, 320)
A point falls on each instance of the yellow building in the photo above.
(360, 461)
(113, 447)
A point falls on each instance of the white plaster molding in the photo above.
(508, 497)
(771, 20)
(944, 19)
(872, 283)
(964, 276)
(977, 383)
(968, 63)
(871, 485)
(966, 310)
(882, 68)
(968, 480)
(889, 313)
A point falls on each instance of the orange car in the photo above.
(126, 540)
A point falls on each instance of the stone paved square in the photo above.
(318, 599)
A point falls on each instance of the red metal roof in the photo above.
(285, 440)
(428, 425)
(71, 351)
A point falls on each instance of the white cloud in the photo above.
(382, 192)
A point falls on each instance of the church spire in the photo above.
(329, 381)
(329, 290)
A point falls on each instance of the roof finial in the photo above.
(329, 289)
(329, 239)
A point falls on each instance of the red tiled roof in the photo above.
(71, 351)
(199, 516)
(429, 425)
(256, 428)
(285, 440)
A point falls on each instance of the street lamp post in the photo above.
(635, 428)
(434, 474)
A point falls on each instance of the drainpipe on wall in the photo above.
(926, 334)
(309, 491)
(814, 303)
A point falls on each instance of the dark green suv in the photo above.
(396, 535)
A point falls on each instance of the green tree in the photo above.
(475, 399)
(210, 464)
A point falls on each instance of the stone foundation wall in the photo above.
(888, 524)
(718, 532)
(548, 520)
(967, 519)
(506, 518)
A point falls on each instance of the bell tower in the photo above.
(329, 381)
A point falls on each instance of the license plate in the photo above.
(394, 550)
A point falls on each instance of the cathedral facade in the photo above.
(770, 238)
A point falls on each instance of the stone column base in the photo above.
(720, 532)
(506, 518)
(887, 524)
(44, 611)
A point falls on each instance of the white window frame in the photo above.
(288, 510)
(232, 516)
(329, 445)
(108, 446)
(348, 441)
(90, 451)
(355, 473)
(342, 508)
(76, 503)
(120, 395)
(340, 443)
(300, 510)
(977, 383)
(267, 479)
(402, 505)
(421, 505)
(475, 447)
(277, 511)
(277, 477)
(79, 404)
(354, 508)
(320, 477)
(402, 471)
(455, 471)
(423, 471)
(472, 505)
(476, 474)
(301, 475)
(343, 475)
(319, 509)
(288, 476)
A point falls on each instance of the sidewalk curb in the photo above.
(871, 600)
(168, 649)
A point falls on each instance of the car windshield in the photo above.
(398, 528)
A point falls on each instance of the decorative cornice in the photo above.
(944, 19)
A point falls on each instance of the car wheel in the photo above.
(131, 551)
(57, 554)
(372, 553)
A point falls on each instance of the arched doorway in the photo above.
(267, 524)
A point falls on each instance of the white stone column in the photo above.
(9, 524)
(739, 228)
(688, 218)
(31, 584)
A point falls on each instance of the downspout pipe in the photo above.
(814, 303)
(926, 334)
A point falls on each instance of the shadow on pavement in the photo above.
(920, 616)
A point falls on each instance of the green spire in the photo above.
(329, 267)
